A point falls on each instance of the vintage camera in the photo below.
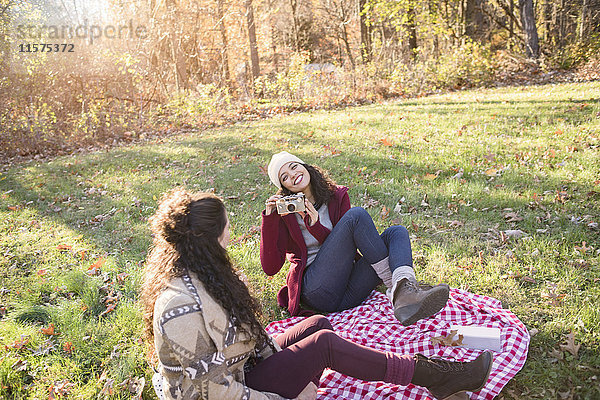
(290, 204)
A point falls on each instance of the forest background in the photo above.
(182, 63)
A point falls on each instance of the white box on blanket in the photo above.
(479, 337)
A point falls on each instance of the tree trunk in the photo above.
(561, 24)
(532, 46)
(274, 49)
(473, 18)
(582, 21)
(412, 31)
(294, 4)
(252, 39)
(177, 56)
(344, 34)
(433, 10)
(547, 21)
(512, 22)
(461, 18)
(346, 41)
(365, 33)
(224, 50)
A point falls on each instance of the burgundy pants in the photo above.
(310, 347)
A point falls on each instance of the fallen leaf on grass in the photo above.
(557, 355)
(385, 213)
(20, 344)
(549, 154)
(398, 208)
(370, 203)
(44, 349)
(60, 389)
(64, 247)
(570, 345)
(561, 197)
(448, 340)
(568, 395)
(68, 347)
(458, 175)
(135, 386)
(554, 298)
(109, 308)
(514, 233)
(386, 142)
(584, 248)
(512, 217)
(491, 172)
(94, 269)
(533, 332)
(332, 150)
(415, 226)
(49, 331)
(490, 157)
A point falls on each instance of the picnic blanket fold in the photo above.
(373, 324)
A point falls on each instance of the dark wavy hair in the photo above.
(321, 185)
(186, 230)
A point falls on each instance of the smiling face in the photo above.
(294, 177)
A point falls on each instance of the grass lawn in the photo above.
(500, 190)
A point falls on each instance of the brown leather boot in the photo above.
(445, 378)
(413, 302)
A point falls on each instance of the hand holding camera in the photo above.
(296, 203)
(290, 204)
(270, 204)
(285, 204)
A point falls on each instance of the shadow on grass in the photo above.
(230, 161)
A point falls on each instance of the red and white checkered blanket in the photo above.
(373, 324)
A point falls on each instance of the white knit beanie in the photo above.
(277, 161)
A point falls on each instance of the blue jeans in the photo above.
(335, 281)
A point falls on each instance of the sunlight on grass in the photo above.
(461, 171)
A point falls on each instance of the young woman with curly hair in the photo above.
(326, 273)
(204, 325)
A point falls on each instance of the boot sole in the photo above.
(429, 306)
(487, 375)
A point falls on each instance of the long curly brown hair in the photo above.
(186, 230)
(321, 185)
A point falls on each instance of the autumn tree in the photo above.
(530, 29)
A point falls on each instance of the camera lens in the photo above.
(291, 207)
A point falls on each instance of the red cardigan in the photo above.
(281, 236)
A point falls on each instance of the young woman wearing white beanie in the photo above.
(327, 274)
